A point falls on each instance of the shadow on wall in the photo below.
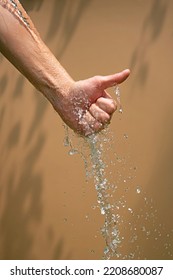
(20, 185)
(161, 185)
(1, 57)
(65, 18)
(151, 30)
(161, 181)
(31, 5)
(22, 204)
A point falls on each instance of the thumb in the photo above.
(112, 80)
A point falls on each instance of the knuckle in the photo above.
(106, 118)
(97, 80)
(113, 106)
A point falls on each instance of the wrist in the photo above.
(57, 90)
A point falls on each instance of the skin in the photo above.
(84, 105)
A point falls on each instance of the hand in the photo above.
(87, 107)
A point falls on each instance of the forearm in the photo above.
(22, 45)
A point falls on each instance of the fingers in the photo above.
(107, 104)
(103, 109)
(89, 125)
(111, 80)
(99, 105)
(99, 114)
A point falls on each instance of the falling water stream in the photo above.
(96, 167)
(110, 230)
(95, 142)
(118, 97)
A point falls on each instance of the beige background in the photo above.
(46, 205)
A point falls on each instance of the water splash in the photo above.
(142, 223)
(118, 96)
(14, 9)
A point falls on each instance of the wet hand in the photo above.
(87, 107)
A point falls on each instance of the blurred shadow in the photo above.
(156, 18)
(160, 242)
(59, 251)
(152, 28)
(41, 105)
(56, 18)
(64, 19)
(1, 57)
(66, 15)
(2, 113)
(22, 205)
(14, 136)
(18, 91)
(3, 84)
(31, 5)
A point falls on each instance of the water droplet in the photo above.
(115, 242)
(143, 228)
(106, 250)
(131, 255)
(66, 142)
(73, 152)
(119, 159)
(102, 211)
(130, 210)
(114, 232)
(138, 189)
(118, 96)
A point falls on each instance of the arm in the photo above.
(84, 105)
